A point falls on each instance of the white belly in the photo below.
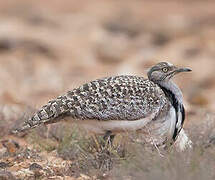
(101, 127)
(158, 127)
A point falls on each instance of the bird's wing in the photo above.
(114, 98)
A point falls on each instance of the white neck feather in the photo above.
(171, 86)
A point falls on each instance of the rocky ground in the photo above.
(49, 47)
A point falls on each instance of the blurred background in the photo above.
(49, 47)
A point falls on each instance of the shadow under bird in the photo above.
(110, 105)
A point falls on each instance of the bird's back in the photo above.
(111, 98)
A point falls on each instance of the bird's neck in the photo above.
(171, 89)
(174, 94)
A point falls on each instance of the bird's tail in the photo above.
(49, 113)
(23, 128)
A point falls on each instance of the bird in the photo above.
(111, 105)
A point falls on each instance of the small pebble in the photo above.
(3, 165)
(35, 166)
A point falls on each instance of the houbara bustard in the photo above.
(123, 103)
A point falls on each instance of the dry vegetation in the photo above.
(49, 47)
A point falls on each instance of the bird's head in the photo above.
(164, 71)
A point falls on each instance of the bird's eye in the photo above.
(165, 70)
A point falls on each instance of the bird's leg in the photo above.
(108, 137)
(48, 131)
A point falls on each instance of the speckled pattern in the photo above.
(111, 98)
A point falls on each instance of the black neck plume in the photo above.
(179, 108)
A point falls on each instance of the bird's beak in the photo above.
(178, 70)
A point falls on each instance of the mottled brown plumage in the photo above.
(113, 98)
